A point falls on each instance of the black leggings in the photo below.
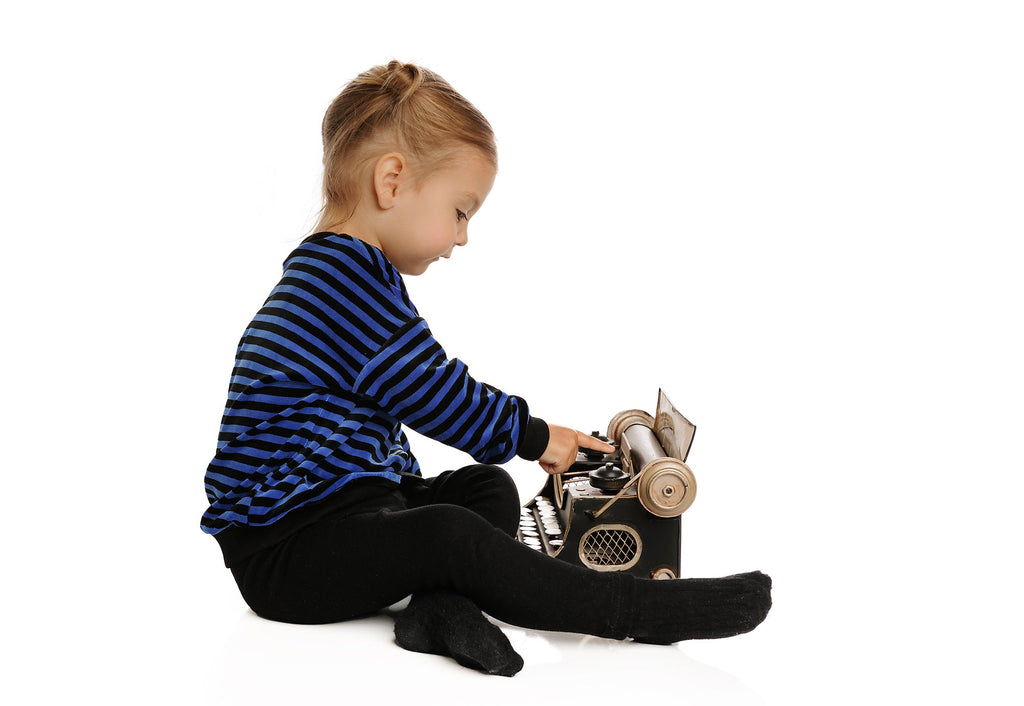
(454, 532)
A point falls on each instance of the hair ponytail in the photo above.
(400, 107)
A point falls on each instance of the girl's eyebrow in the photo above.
(473, 199)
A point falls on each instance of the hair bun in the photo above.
(402, 79)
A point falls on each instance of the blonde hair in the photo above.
(400, 107)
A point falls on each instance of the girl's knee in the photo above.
(488, 476)
(491, 492)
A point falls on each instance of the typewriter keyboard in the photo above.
(539, 526)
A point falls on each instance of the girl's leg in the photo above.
(342, 568)
(489, 491)
(706, 607)
(345, 567)
(443, 622)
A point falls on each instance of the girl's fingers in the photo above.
(589, 442)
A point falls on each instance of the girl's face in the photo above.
(430, 217)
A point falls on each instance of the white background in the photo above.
(800, 219)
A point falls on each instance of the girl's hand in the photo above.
(563, 443)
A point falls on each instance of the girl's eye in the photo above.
(460, 216)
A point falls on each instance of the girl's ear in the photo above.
(389, 175)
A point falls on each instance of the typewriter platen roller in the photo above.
(620, 511)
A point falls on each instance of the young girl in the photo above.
(318, 504)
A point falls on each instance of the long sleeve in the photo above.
(332, 365)
(412, 379)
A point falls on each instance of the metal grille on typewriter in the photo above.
(610, 548)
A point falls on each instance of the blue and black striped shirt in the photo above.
(325, 375)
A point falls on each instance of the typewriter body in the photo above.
(620, 511)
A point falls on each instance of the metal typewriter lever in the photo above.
(632, 481)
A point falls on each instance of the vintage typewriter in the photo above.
(620, 511)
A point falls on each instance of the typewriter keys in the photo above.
(539, 526)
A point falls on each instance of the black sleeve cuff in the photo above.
(534, 441)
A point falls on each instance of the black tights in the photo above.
(453, 532)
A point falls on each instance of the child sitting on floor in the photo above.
(318, 504)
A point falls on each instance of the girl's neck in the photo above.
(354, 228)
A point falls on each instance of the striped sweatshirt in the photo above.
(333, 364)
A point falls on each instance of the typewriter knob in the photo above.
(609, 478)
(667, 487)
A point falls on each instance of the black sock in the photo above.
(700, 609)
(446, 623)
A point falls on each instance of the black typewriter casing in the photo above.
(625, 538)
